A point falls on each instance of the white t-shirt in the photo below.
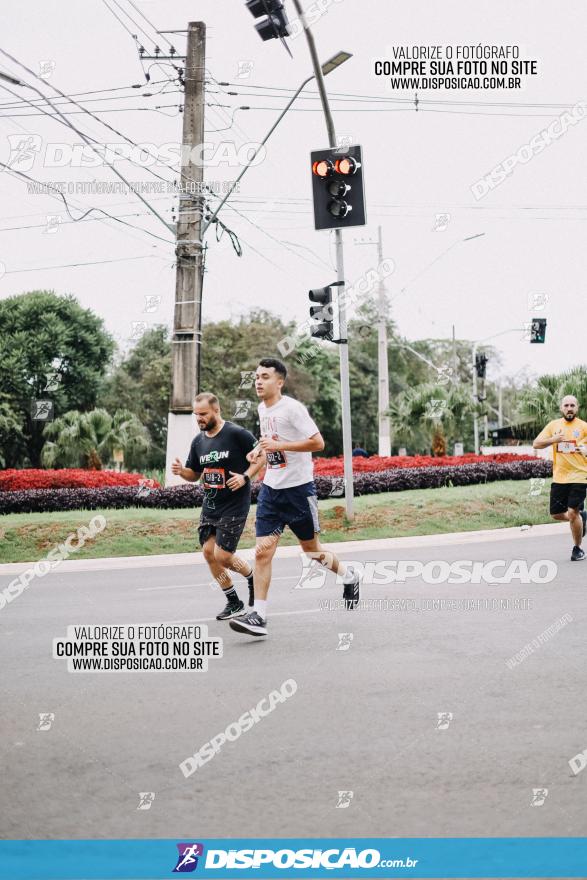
(288, 419)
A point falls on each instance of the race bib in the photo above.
(566, 446)
(276, 459)
(213, 478)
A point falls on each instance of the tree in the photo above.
(141, 384)
(50, 349)
(231, 352)
(429, 416)
(540, 403)
(12, 440)
(89, 439)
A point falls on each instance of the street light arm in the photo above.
(417, 353)
(207, 223)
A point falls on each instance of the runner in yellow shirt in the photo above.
(568, 438)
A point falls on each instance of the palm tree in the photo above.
(424, 416)
(540, 403)
(87, 439)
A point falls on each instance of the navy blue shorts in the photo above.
(296, 507)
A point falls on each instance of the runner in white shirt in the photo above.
(289, 435)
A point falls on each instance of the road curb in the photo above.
(340, 547)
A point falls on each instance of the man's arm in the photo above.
(315, 443)
(185, 473)
(547, 438)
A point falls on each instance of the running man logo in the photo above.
(23, 151)
(537, 301)
(244, 68)
(539, 795)
(441, 222)
(444, 719)
(313, 576)
(152, 302)
(536, 485)
(46, 719)
(344, 799)
(42, 410)
(436, 407)
(146, 798)
(242, 409)
(188, 857)
(337, 487)
(247, 380)
(344, 641)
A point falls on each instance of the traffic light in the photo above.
(338, 188)
(274, 24)
(480, 365)
(538, 330)
(322, 313)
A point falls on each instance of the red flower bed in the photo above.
(333, 467)
(68, 478)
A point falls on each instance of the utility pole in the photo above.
(382, 365)
(187, 319)
(345, 392)
(455, 377)
(475, 399)
(384, 434)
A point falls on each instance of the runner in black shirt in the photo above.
(218, 455)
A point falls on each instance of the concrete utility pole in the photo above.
(187, 320)
(345, 393)
(384, 441)
(382, 365)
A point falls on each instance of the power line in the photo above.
(334, 95)
(152, 26)
(58, 192)
(15, 104)
(90, 263)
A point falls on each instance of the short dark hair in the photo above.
(278, 366)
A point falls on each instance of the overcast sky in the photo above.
(417, 165)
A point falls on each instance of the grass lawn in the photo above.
(139, 532)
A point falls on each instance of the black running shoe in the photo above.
(584, 518)
(252, 624)
(251, 583)
(350, 594)
(577, 555)
(231, 609)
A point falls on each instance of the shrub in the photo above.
(176, 497)
(66, 478)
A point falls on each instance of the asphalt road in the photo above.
(363, 720)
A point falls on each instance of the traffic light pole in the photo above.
(345, 391)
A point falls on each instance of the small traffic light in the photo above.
(538, 330)
(322, 313)
(480, 365)
(338, 188)
(274, 24)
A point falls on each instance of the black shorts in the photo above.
(226, 529)
(565, 495)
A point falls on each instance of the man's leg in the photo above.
(264, 553)
(576, 523)
(350, 579)
(231, 562)
(220, 574)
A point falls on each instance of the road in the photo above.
(363, 719)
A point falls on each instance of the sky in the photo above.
(526, 235)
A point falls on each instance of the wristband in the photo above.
(247, 478)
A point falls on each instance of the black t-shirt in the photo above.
(214, 457)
